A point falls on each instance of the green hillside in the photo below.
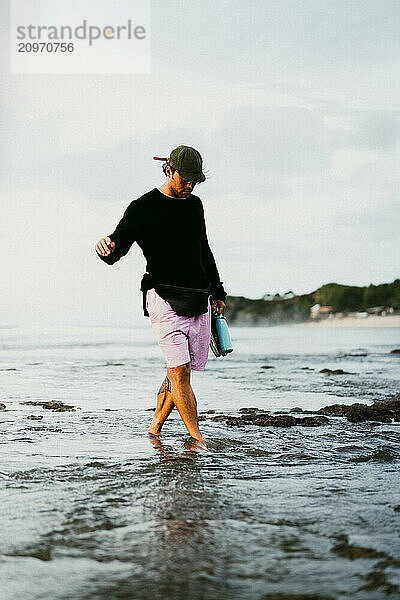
(290, 308)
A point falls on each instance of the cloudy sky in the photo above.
(294, 106)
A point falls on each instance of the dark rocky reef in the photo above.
(262, 418)
(55, 405)
(381, 411)
(335, 372)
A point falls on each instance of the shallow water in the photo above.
(92, 509)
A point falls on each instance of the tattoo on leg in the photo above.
(165, 386)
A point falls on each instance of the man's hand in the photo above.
(218, 307)
(105, 246)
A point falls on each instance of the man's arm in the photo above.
(119, 242)
(217, 290)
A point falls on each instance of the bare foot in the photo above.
(154, 432)
(195, 444)
(156, 441)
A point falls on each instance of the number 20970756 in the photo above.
(45, 47)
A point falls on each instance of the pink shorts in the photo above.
(182, 339)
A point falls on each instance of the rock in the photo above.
(361, 412)
(2, 406)
(391, 404)
(353, 353)
(334, 410)
(112, 364)
(381, 411)
(280, 421)
(266, 420)
(335, 372)
(55, 405)
(315, 421)
(220, 418)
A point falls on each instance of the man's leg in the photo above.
(165, 405)
(184, 399)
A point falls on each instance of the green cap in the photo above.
(188, 162)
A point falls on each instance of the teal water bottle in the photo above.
(223, 336)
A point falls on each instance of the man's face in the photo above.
(181, 188)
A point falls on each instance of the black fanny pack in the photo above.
(185, 301)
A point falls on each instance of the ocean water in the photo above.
(91, 508)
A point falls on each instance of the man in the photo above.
(168, 224)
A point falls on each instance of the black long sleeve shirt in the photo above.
(172, 235)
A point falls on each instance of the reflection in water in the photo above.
(181, 507)
(179, 482)
(191, 445)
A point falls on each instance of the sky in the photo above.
(294, 106)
